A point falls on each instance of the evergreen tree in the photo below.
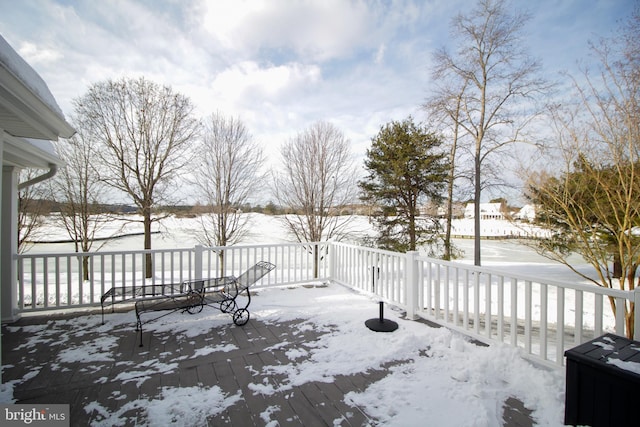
(405, 169)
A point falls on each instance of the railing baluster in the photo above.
(446, 293)
(514, 312)
(476, 303)
(620, 321)
(488, 319)
(33, 283)
(560, 330)
(528, 301)
(57, 274)
(500, 325)
(456, 296)
(578, 317)
(428, 302)
(437, 285)
(598, 314)
(543, 320)
(466, 299)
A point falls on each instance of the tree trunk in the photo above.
(316, 261)
(476, 213)
(412, 232)
(85, 268)
(147, 243)
(449, 213)
(86, 245)
(221, 255)
(629, 318)
(617, 266)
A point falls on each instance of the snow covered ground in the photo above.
(435, 377)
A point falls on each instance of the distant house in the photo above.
(29, 120)
(487, 210)
(526, 213)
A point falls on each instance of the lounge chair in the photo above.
(220, 292)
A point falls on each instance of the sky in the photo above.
(280, 65)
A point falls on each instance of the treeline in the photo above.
(46, 206)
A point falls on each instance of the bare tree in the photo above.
(146, 130)
(589, 199)
(227, 174)
(500, 82)
(445, 107)
(78, 189)
(317, 176)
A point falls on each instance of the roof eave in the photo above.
(20, 152)
(44, 121)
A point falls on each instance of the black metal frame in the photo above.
(220, 293)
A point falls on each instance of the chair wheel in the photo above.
(196, 303)
(241, 317)
(228, 306)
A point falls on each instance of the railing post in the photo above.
(197, 262)
(411, 284)
(636, 314)
(331, 247)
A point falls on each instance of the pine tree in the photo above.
(405, 169)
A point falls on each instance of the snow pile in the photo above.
(436, 377)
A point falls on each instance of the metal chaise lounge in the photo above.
(220, 292)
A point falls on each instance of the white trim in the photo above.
(21, 152)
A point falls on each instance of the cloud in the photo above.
(35, 55)
(316, 31)
(250, 84)
(380, 54)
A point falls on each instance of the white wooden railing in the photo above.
(540, 316)
(55, 280)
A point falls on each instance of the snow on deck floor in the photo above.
(432, 376)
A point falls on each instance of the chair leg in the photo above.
(139, 327)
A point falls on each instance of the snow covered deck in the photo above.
(304, 358)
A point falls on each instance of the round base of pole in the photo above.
(381, 325)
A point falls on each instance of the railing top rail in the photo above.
(374, 250)
(151, 251)
(99, 253)
(263, 245)
(619, 293)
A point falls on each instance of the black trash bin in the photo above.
(603, 382)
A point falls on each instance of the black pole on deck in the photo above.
(381, 324)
